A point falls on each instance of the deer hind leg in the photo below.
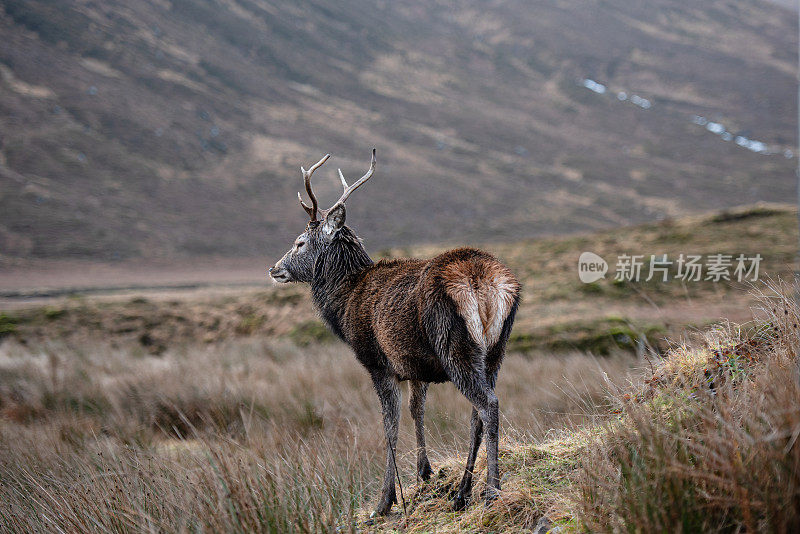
(389, 394)
(464, 494)
(416, 404)
(466, 369)
(475, 436)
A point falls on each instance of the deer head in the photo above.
(297, 265)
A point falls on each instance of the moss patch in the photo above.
(8, 325)
(309, 332)
(601, 337)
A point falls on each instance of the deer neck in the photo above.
(336, 272)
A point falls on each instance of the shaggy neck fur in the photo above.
(336, 271)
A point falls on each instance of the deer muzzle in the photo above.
(279, 274)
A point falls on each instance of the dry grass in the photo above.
(245, 435)
(710, 443)
(264, 435)
(264, 423)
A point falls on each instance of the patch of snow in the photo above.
(592, 85)
(641, 102)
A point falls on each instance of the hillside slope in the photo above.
(176, 128)
(558, 312)
(706, 442)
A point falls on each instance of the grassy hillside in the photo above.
(176, 128)
(243, 415)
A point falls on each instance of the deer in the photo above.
(444, 319)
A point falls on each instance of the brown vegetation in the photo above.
(259, 436)
(252, 434)
(706, 441)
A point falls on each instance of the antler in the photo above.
(350, 188)
(312, 211)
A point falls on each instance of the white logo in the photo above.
(591, 267)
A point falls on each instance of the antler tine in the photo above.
(312, 210)
(350, 188)
(305, 206)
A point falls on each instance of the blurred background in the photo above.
(168, 130)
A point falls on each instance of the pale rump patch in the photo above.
(484, 293)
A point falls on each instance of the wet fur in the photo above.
(402, 316)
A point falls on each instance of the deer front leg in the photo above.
(416, 404)
(389, 394)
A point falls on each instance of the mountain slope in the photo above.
(176, 128)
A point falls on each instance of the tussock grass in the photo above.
(705, 442)
(182, 486)
(710, 441)
(207, 439)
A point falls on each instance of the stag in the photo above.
(438, 320)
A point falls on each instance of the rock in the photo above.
(544, 525)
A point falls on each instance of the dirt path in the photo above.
(36, 284)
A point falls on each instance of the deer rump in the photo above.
(457, 306)
(484, 292)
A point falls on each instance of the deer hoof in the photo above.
(490, 495)
(425, 471)
(384, 507)
(461, 501)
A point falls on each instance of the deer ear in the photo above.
(334, 220)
